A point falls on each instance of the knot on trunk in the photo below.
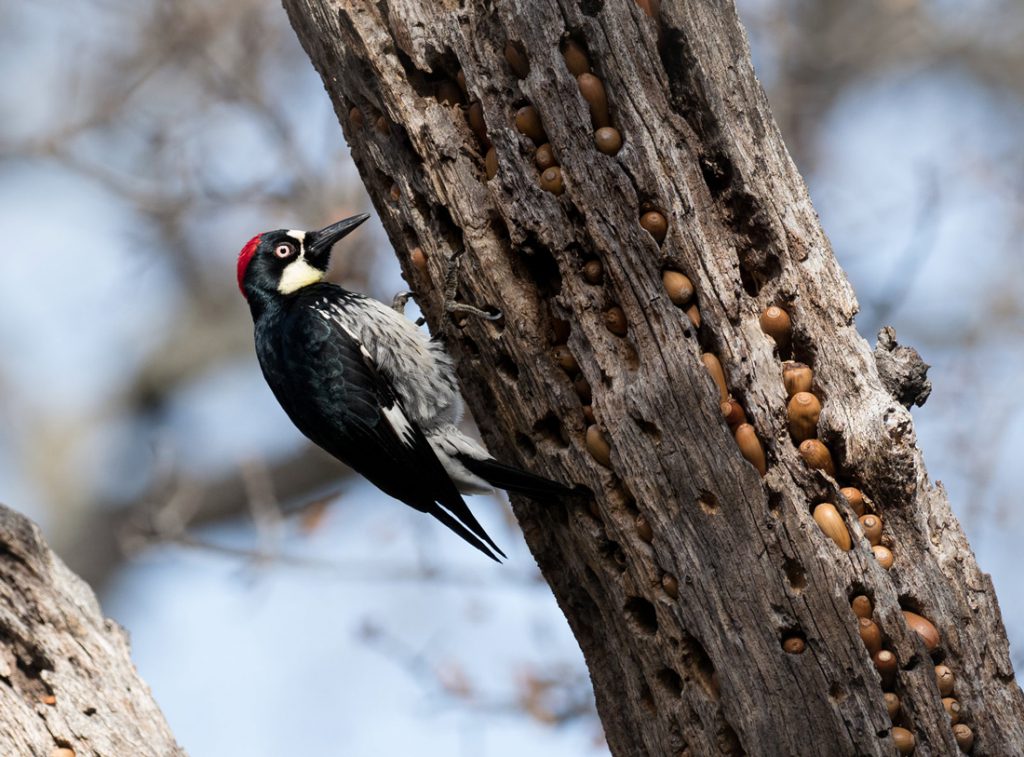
(904, 374)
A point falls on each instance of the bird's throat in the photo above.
(298, 274)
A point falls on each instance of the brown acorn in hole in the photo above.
(872, 526)
(460, 79)
(355, 118)
(654, 223)
(418, 258)
(582, 387)
(516, 58)
(588, 415)
(733, 413)
(475, 118)
(671, 585)
(904, 740)
(678, 287)
(776, 324)
(544, 158)
(565, 360)
(804, 409)
(861, 606)
(817, 456)
(714, 367)
(750, 447)
(650, 7)
(528, 123)
(886, 663)
(551, 180)
(923, 628)
(794, 645)
(491, 163)
(892, 704)
(643, 529)
(870, 634)
(593, 272)
(952, 709)
(608, 140)
(884, 556)
(855, 498)
(593, 92)
(831, 523)
(797, 377)
(396, 193)
(964, 737)
(575, 58)
(944, 679)
(598, 446)
(615, 320)
(693, 313)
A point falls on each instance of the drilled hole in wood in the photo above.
(717, 172)
(647, 699)
(539, 266)
(612, 552)
(698, 666)
(795, 574)
(526, 445)
(775, 504)
(671, 681)
(471, 346)
(620, 497)
(591, 7)
(793, 641)
(708, 502)
(837, 693)
(550, 429)
(649, 428)
(507, 366)
(642, 614)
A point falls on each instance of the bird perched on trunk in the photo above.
(364, 383)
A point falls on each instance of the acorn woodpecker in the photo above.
(365, 384)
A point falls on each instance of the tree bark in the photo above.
(66, 677)
(687, 571)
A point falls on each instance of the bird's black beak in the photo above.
(319, 243)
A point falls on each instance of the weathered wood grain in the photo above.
(683, 630)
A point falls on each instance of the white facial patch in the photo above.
(300, 235)
(298, 274)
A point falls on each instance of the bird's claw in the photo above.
(400, 300)
(457, 307)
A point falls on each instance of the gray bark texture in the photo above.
(686, 571)
(67, 683)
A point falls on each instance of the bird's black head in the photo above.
(279, 263)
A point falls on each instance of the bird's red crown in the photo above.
(243, 260)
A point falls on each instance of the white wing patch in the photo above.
(397, 420)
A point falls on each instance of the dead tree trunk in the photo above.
(714, 613)
(67, 683)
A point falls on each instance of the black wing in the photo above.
(329, 386)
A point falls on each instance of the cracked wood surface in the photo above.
(681, 624)
(66, 676)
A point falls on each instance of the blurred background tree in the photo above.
(143, 142)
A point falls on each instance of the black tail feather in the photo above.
(453, 523)
(513, 479)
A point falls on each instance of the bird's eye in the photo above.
(284, 250)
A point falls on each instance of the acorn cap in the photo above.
(797, 377)
(551, 180)
(593, 271)
(944, 679)
(872, 527)
(854, 497)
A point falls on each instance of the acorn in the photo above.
(655, 225)
(608, 140)
(883, 555)
(396, 193)
(794, 645)
(870, 634)
(855, 498)
(861, 606)
(886, 663)
(551, 180)
(804, 409)
(714, 367)
(872, 526)
(516, 58)
(892, 704)
(831, 523)
(475, 118)
(582, 387)
(964, 737)
(776, 324)
(952, 709)
(598, 446)
(418, 258)
(643, 529)
(565, 359)
(48, 699)
(733, 413)
(491, 163)
(903, 739)
(817, 456)
(944, 679)
(678, 287)
(62, 752)
(750, 447)
(449, 92)
(355, 118)
(588, 415)
(797, 377)
(460, 79)
(650, 7)
(544, 158)
(528, 122)
(670, 585)
(593, 272)
(923, 627)
(615, 320)
(593, 92)
(575, 58)
(693, 313)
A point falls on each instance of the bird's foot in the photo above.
(451, 285)
(458, 307)
(400, 300)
